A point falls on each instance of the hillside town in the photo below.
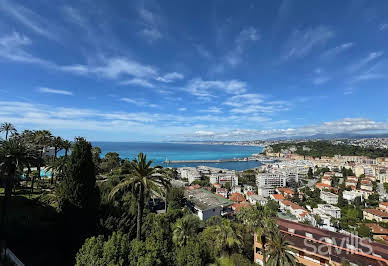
(343, 197)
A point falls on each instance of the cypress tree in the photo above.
(78, 195)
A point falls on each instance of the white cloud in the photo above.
(171, 77)
(138, 82)
(206, 88)
(28, 18)
(347, 125)
(246, 35)
(182, 109)
(254, 103)
(383, 26)
(213, 109)
(53, 91)
(320, 80)
(302, 42)
(12, 47)
(365, 61)
(138, 102)
(151, 23)
(331, 53)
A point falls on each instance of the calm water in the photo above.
(158, 152)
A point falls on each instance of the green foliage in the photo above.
(110, 162)
(364, 231)
(176, 198)
(186, 229)
(325, 148)
(193, 253)
(373, 200)
(310, 173)
(386, 187)
(96, 251)
(78, 195)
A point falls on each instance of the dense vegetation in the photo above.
(103, 211)
(318, 149)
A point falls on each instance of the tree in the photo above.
(141, 180)
(364, 231)
(66, 145)
(7, 128)
(57, 143)
(310, 173)
(227, 238)
(42, 139)
(186, 229)
(78, 195)
(193, 253)
(14, 155)
(96, 251)
(176, 198)
(279, 251)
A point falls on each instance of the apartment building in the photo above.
(327, 209)
(189, 173)
(375, 214)
(313, 246)
(329, 197)
(268, 182)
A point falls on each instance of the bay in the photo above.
(159, 152)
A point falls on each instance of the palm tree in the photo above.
(279, 251)
(42, 139)
(14, 155)
(227, 237)
(7, 128)
(57, 143)
(57, 167)
(66, 145)
(185, 229)
(168, 175)
(142, 180)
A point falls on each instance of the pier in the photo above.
(209, 161)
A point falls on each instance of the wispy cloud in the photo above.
(12, 47)
(151, 23)
(28, 18)
(347, 125)
(383, 26)
(54, 91)
(138, 102)
(205, 88)
(213, 110)
(246, 35)
(251, 103)
(365, 61)
(170, 77)
(302, 42)
(138, 82)
(333, 52)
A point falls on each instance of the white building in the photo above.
(224, 177)
(351, 195)
(189, 173)
(268, 182)
(327, 209)
(253, 199)
(329, 197)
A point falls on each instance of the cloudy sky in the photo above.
(163, 70)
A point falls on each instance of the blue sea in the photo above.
(158, 152)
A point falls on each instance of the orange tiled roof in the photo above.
(278, 196)
(237, 197)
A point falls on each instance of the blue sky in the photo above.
(163, 70)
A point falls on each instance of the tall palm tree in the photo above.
(227, 237)
(142, 180)
(14, 155)
(57, 143)
(66, 145)
(7, 128)
(185, 229)
(57, 167)
(42, 139)
(279, 251)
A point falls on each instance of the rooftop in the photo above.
(203, 199)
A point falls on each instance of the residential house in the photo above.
(329, 197)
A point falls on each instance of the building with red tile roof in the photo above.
(237, 197)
